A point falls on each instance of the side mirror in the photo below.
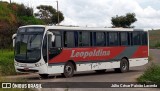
(52, 36)
(14, 38)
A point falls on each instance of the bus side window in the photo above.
(58, 39)
(54, 46)
(84, 39)
(144, 38)
(70, 39)
(99, 38)
(65, 39)
(113, 39)
(124, 38)
(49, 41)
(136, 38)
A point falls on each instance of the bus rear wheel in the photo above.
(44, 75)
(124, 66)
(68, 70)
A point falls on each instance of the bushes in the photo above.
(25, 20)
(157, 45)
(154, 37)
(7, 62)
(6, 37)
(152, 74)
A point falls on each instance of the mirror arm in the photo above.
(53, 36)
(13, 38)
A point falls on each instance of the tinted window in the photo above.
(58, 40)
(144, 38)
(124, 38)
(136, 38)
(99, 38)
(84, 39)
(28, 48)
(50, 43)
(113, 39)
(69, 39)
(54, 49)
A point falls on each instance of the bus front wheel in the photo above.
(68, 70)
(124, 66)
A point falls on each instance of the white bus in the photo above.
(56, 49)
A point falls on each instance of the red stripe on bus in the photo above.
(141, 52)
(87, 54)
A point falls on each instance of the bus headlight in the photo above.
(16, 64)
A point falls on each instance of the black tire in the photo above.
(68, 70)
(101, 71)
(44, 75)
(124, 66)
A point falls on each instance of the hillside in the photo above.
(154, 38)
(11, 17)
(7, 15)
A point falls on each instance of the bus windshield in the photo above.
(28, 47)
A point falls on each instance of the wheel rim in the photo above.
(124, 66)
(68, 70)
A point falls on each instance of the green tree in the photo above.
(48, 14)
(11, 17)
(29, 20)
(124, 21)
(24, 15)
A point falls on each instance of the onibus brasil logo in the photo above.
(21, 85)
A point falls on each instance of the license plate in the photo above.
(23, 65)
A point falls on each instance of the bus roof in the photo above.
(83, 28)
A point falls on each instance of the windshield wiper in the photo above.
(32, 38)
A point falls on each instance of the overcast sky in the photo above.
(98, 13)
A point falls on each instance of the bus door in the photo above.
(54, 45)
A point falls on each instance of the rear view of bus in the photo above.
(55, 49)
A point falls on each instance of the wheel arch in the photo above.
(74, 64)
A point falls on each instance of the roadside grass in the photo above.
(7, 68)
(7, 62)
(151, 74)
(150, 57)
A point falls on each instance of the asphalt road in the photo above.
(91, 76)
